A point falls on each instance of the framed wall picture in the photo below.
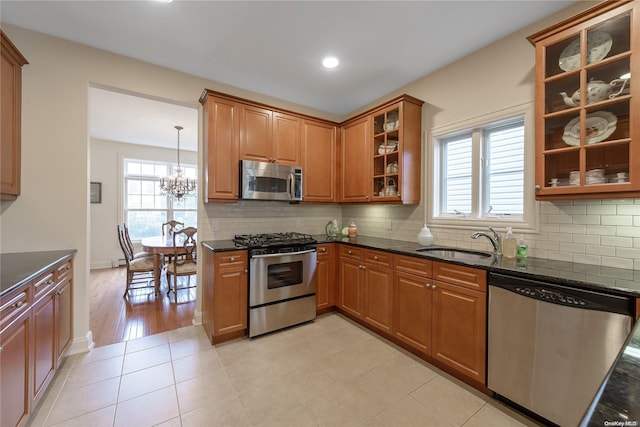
(96, 192)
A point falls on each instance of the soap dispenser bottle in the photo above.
(509, 245)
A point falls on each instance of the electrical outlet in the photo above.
(389, 224)
(214, 225)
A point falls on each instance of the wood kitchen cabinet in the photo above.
(11, 112)
(35, 332)
(319, 161)
(588, 104)
(366, 285)
(15, 357)
(412, 300)
(221, 149)
(325, 277)
(350, 279)
(381, 152)
(269, 136)
(459, 323)
(378, 289)
(354, 152)
(440, 310)
(225, 294)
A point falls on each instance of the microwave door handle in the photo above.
(290, 186)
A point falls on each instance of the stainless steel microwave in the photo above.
(270, 181)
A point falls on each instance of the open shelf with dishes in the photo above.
(587, 105)
(387, 131)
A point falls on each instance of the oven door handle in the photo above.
(283, 254)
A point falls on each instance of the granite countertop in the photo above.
(617, 402)
(20, 267)
(614, 280)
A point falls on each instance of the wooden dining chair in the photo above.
(184, 259)
(141, 254)
(171, 226)
(139, 270)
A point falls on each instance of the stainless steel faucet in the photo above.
(494, 239)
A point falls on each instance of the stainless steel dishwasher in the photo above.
(550, 346)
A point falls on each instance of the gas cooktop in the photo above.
(273, 239)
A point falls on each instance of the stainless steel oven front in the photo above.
(282, 289)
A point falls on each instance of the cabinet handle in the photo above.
(18, 304)
(60, 292)
(246, 271)
(232, 259)
(433, 286)
(375, 257)
(537, 187)
(349, 252)
(323, 249)
(1, 349)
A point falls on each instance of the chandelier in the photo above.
(178, 186)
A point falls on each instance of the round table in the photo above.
(159, 245)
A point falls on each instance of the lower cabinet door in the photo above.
(230, 296)
(412, 299)
(378, 297)
(459, 329)
(325, 277)
(64, 315)
(14, 372)
(44, 359)
(350, 298)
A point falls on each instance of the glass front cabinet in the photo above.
(588, 104)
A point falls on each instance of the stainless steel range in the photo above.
(282, 286)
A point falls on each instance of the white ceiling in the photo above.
(275, 47)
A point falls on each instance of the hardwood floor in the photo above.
(114, 318)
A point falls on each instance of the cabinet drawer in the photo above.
(64, 270)
(468, 277)
(324, 250)
(408, 264)
(351, 252)
(12, 305)
(227, 259)
(43, 284)
(378, 258)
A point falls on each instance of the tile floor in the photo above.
(330, 372)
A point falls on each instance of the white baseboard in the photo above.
(197, 318)
(101, 264)
(81, 345)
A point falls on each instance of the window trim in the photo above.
(433, 170)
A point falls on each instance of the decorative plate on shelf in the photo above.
(600, 125)
(598, 46)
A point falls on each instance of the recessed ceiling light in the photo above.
(330, 62)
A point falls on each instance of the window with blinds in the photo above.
(482, 171)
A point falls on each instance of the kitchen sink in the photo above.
(451, 253)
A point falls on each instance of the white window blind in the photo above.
(505, 169)
(457, 181)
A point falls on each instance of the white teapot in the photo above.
(597, 90)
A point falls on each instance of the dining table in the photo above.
(158, 246)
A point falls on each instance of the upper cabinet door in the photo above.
(10, 144)
(221, 129)
(256, 134)
(319, 161)
(588, 105)
(355, 186)
(286, 139)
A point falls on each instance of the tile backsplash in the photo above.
(597, 232)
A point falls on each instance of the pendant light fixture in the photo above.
(178, 186)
